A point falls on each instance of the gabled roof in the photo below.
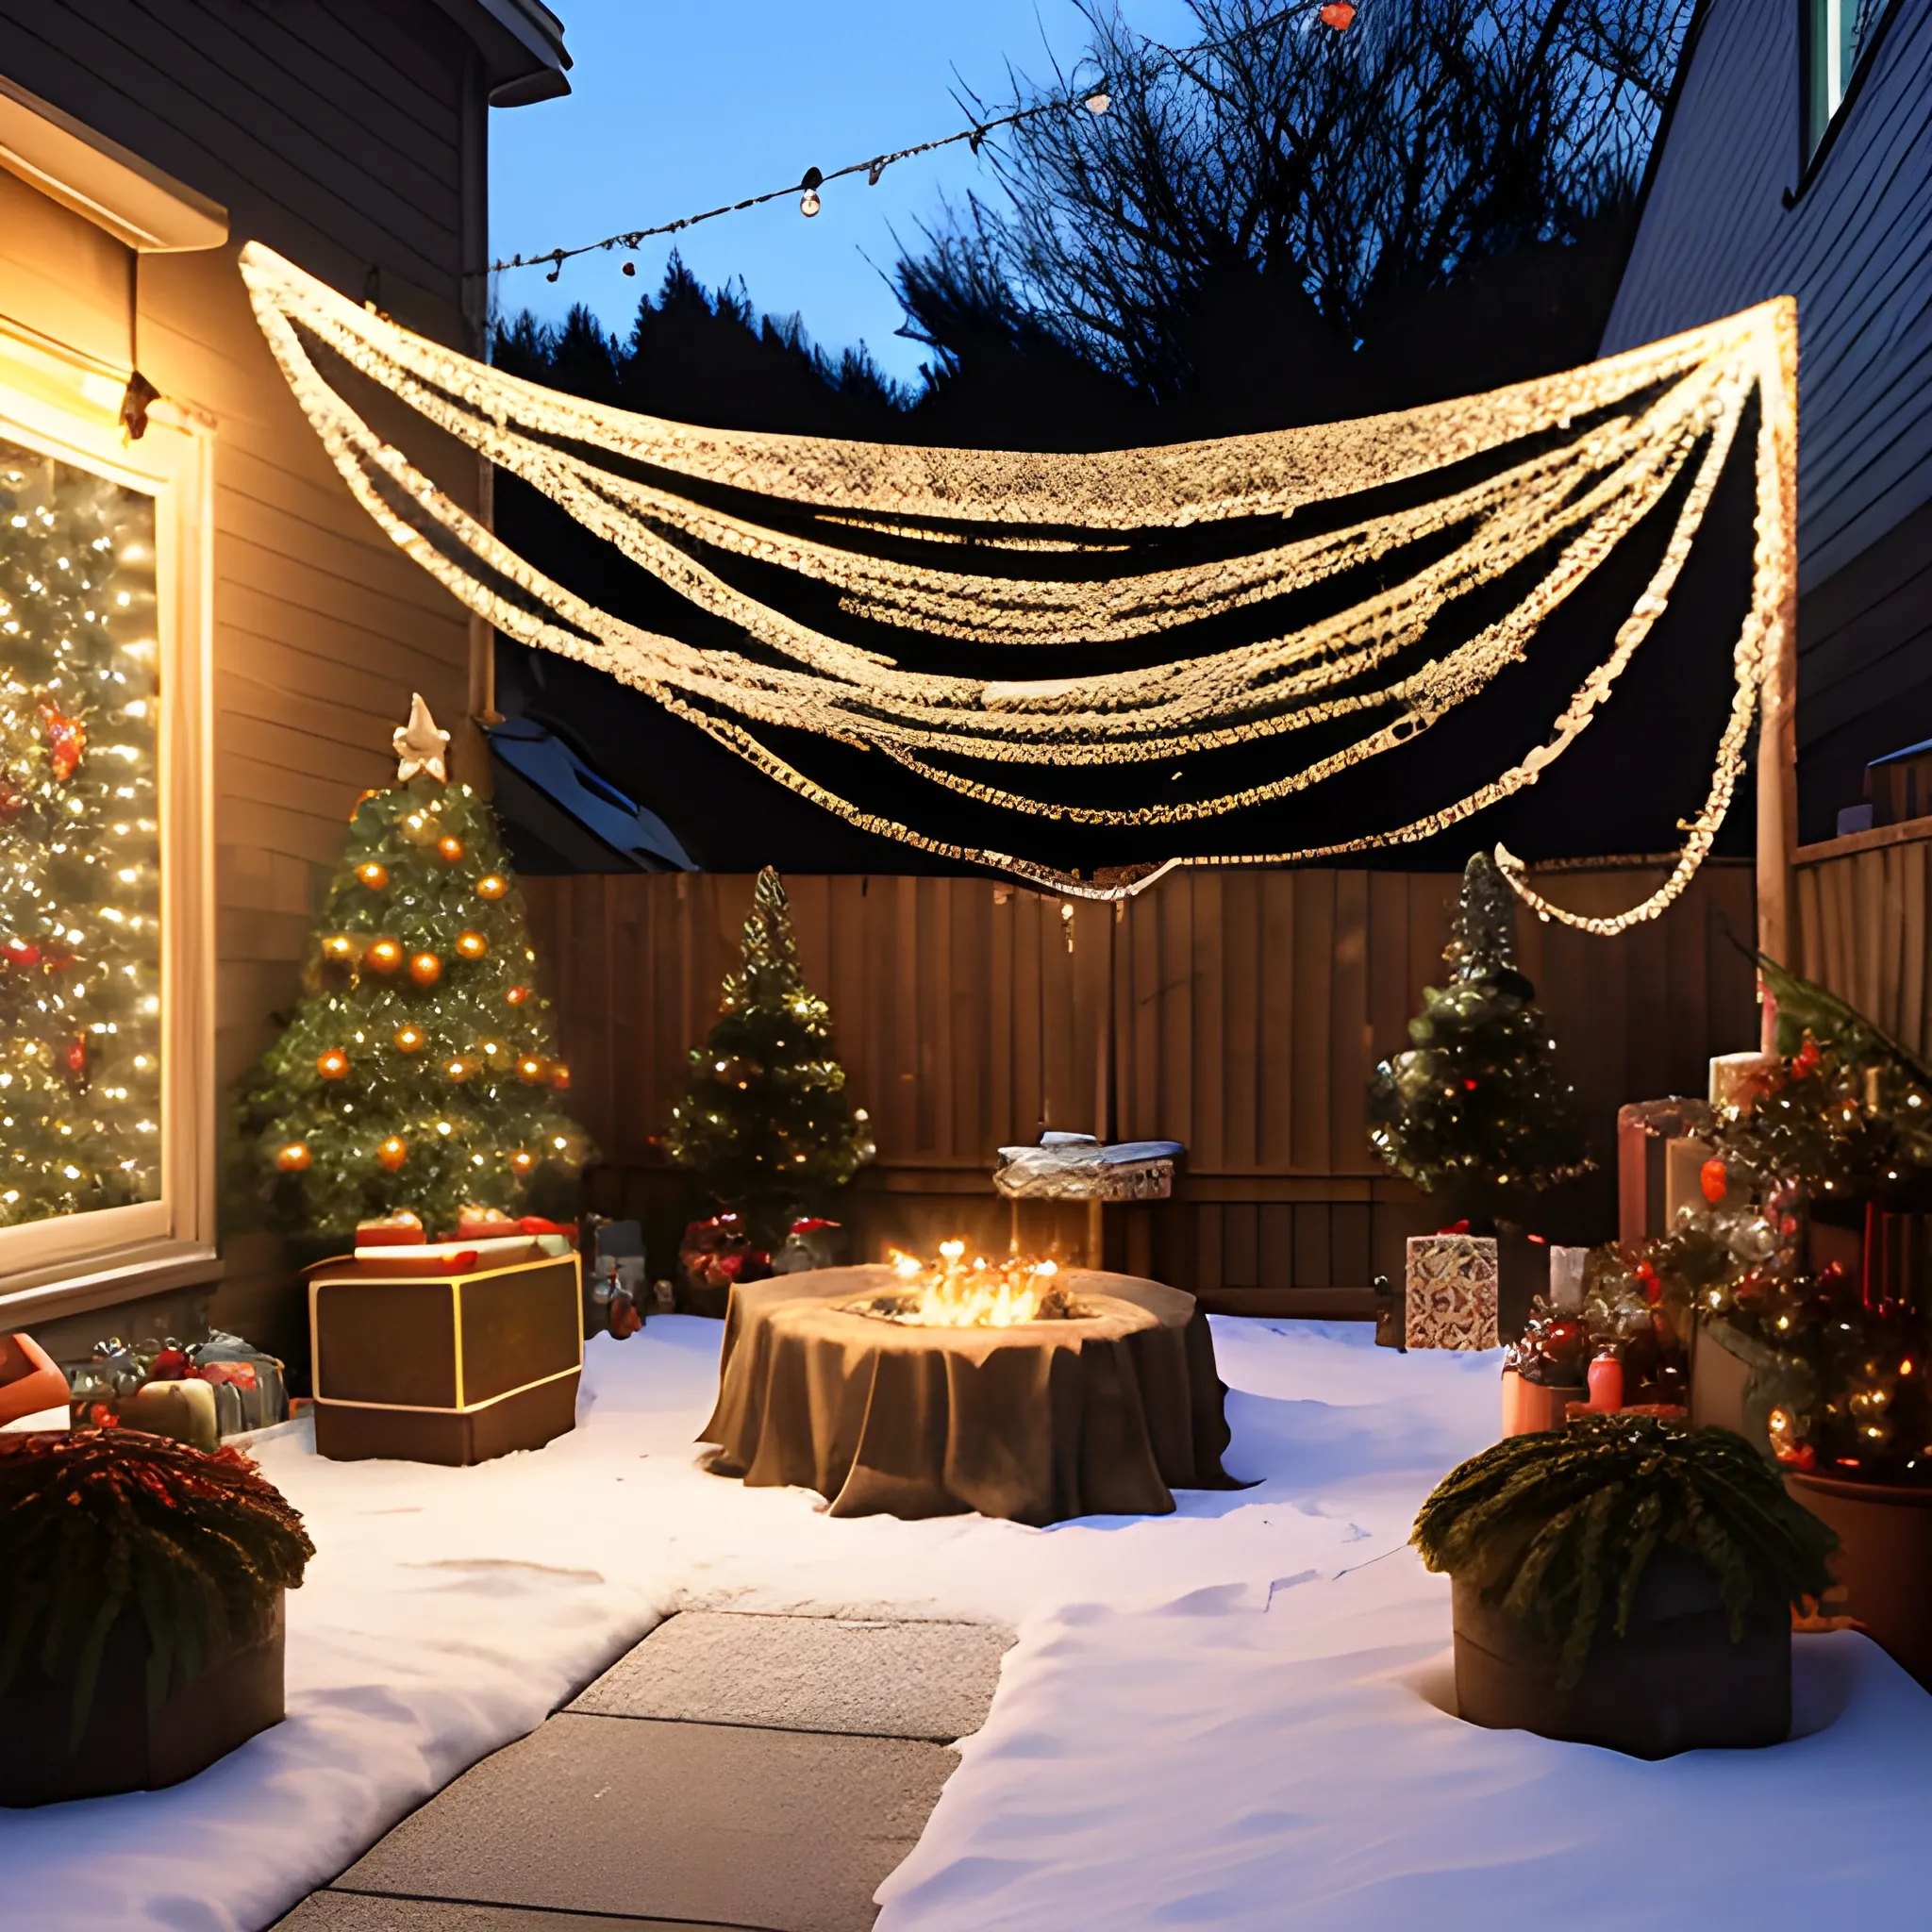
(521, 44)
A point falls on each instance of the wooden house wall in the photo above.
(1854, 247)
(1862, 906)
(337, 131)
(1240, 1012)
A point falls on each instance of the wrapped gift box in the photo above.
(1452, 1298)
(451, 1368)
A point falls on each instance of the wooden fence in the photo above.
(1240, 1012)
(1862, 905)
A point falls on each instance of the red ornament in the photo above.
(170, 1365)
(12, 801)
(1652, 1288)
(559, 1078)
(517, 995)
(66, 743)
(77, 1056)
(1806, 1060)
(1715, 1182)
(1337, 14)
(21, 953)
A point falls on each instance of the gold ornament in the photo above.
(459, 1069)
(425, 969)
(339, 946)
(373, 874)
(411, 1038)
(294, 1159)
(393, 1152)
(492, 886)
(471, 945)
(384, 956)
(333, 1064)
(517, 995)
(419, 828)
(533, 1068)
(419, 745)
(522, 1161)
(449, 847)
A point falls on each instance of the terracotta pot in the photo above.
(127, 1747)
(1531, 1405)
(1884, 1561)
(1676, 1682)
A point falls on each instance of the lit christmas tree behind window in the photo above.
(80, 891)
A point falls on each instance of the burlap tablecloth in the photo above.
(1106, 1416)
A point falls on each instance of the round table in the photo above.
(1105, 1415)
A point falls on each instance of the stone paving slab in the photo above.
(714, 1823)
(808, 1673)
(353, 1911)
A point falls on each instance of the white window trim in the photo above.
(67, 406)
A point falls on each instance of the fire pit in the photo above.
(953, 1293)
(1020, 1389)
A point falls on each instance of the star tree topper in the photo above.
(420, 745)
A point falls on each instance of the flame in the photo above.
(953, 1292)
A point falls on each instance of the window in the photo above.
(1836, 35)
(105, 1151)
(80, 857)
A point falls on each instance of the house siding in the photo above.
(1854, 247)
(338, 132)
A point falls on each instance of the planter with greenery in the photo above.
(141, 1610)
(1625, 1582)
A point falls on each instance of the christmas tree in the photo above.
(418, 1069)
(80, 942)
(766, 1123)
(1475, 1111)
(1814, 1253)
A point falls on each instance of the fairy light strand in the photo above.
(1649, 414)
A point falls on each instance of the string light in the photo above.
(1609, 444)
(1092, 99)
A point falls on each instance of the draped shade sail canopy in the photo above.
(1544, 616)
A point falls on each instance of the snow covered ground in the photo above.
(1225, 1717)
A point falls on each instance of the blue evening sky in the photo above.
(679, 105)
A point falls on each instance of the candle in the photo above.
(1606, 1382)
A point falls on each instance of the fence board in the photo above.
(1240, 1012)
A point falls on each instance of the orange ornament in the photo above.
(517, 995)
(560, 1076)
(384, 956)
(333, 1064)
(373, 874)
(392, 1152)
(493, 885)
(471, 945)
(1713, 1181)
(1337, 14)
(522, 1161)
(449, 847)
(362, 798)
(411, 1038)
(425, 969)
(294, 1159)
(459, 1071)
(533, 1068)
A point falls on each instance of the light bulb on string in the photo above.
(1099, 101)
(809, 203)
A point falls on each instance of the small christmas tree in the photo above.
(80, 954)
(766, 1123)
(1475, 1111)
(418, 1069)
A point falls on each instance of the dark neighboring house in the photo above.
(1796, 159)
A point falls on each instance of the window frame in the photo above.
(1812, 152)
(66, 405)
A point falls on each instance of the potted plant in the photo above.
(1812, 1268)
(141, 1609)
(1625, 1581)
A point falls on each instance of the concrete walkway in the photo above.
(734, 1772)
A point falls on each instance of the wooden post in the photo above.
(1777, 743)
